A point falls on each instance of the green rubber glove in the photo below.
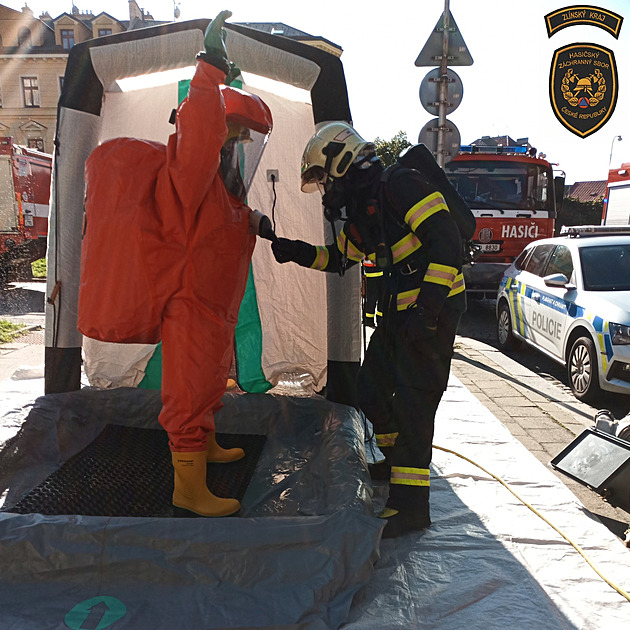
(214, 39)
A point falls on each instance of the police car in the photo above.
(569, 297)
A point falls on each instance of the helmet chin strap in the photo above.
(332, 213)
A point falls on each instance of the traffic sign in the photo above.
(430, 91)
(451, 139)
(457, 52)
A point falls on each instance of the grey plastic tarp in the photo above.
(305, 540)
(486, 563)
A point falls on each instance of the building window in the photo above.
(102, 32)
(60, 84)
(30, 89)
(67, 38)
(36, 143)
(24, 37)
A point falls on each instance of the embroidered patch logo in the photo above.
(583, 87)
(584, 15)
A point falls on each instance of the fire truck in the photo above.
(24, 202)
(514, 197)
(617, 201)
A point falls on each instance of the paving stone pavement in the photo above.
(543, 417)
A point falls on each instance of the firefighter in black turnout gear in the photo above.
(398, 219)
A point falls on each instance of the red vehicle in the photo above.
(24, 204)
(514, 198)
(617, 201)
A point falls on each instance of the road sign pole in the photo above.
(443, 86)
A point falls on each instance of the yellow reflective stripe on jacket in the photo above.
(458, 286)
(373, 274)
(407, 299)
(346, 246)
(440, 274)
(406, 476)
(405, 247)
(400, 250)
(424, 209)
(321, 259)
(385, 439)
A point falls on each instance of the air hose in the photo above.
(537, 513)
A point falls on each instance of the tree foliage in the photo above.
(575, 212)
(389, 150)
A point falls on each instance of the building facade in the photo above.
(33, 56)
(34, 53)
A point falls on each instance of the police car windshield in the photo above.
(491, 184)
(606, 267)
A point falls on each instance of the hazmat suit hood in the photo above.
(249, 124)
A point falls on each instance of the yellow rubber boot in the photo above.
(215, 454)
(191, 493)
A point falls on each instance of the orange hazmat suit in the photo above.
(166, 254)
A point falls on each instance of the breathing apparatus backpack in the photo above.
(369, 229)
(419, 158)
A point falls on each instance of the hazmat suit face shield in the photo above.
(249, 124)
(240, 156)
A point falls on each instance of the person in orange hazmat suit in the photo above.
(167, 244)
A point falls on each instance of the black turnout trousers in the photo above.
(400, 385)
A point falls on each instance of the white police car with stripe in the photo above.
(569, 297)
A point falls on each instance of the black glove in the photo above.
(286, 250)
(421, 325)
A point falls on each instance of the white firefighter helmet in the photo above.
(330, 152)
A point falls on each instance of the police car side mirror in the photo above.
(558, 280)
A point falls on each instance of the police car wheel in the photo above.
(505, 337)
(582, 370)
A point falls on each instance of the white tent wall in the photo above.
(307, 318)
(291, 299)
(141, 113)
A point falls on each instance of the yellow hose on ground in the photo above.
(537, 513)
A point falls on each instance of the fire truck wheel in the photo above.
(506, 339)
(583, 371)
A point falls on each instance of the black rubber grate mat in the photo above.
(128, 471)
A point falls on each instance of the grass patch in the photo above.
(39, 268)
(9, 331)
